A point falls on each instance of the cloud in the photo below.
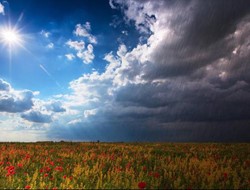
(70, 56)
(189, 80)
(87, 56)
(4, 86)
(37, 117)
(88, 113)
(77, 45)
(84, 31)
(55, 106)
(14, 101)
(111, 3)
(2, 9)
(50, 45)
(45, 34)
(85, 53)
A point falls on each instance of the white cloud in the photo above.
(14, 101)
(50, 45)
(1, 9)
(77, 45)
(84, 31)
(44, 33)
(70, 56)
(111, 4)
(91, 112)
(87, 56)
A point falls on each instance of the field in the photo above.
(120, 165)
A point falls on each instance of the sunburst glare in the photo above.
(10, 36)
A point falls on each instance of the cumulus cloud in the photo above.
(77, 45)
(84, 31)
(191, 71)
(55, 106)
(4, 86)
(70, 56)
(37, 117)
(87, 56)
(14, 101)
(85, 53)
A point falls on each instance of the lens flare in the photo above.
(10, 37)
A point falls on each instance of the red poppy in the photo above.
(20, 165)
(142, 185)
(46, 175)
(225, 175)
(59, 168)
(156, 175)
(27, 187)
(10, 170)
(64, 177)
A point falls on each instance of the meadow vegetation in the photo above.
(68, 165)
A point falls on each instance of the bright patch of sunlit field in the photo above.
(68, 165)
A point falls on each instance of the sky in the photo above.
(131, 71)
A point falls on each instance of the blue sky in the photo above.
(114, 70)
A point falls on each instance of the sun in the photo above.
(10, 37)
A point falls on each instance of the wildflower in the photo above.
(46, 175)
(20, 165)
(225, 175)
(10, 170)
(27, 157)
(142, 185)
(59, 168)
(64, 177)
(156, 175)
(47, 169)
(27, 187)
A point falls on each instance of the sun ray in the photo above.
(10, 37)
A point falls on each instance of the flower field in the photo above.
(68, 165)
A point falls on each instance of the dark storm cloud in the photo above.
(149, 130)
(203, 29)
(37, 117)
(213, 20)
(186, 102)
